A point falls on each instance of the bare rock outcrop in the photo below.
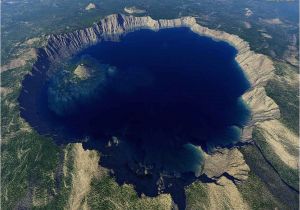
(90, 6)
(86, 167)
(20, 61)
(226, 161)
(225, 196)
(134, 10)
(283, 142)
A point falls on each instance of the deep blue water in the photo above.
(170, 91)
(172, 82)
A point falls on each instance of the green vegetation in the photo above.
(30, 163)
(286, 95)
(263, 179)
(286, 173)
(196, 196)
(32, 174)
(257, 195)
(107, 194)
(63, 183)
(284, 69)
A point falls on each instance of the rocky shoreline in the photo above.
(258, 69)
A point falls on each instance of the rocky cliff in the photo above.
(257, 67)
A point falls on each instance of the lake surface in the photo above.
(151, 103)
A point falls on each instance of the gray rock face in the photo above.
(111, 27)
(226, 161)
(257, 67)
(134, 10)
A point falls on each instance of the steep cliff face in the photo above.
(109, 28)
(257, 67)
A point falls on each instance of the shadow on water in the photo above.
(146, 103)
